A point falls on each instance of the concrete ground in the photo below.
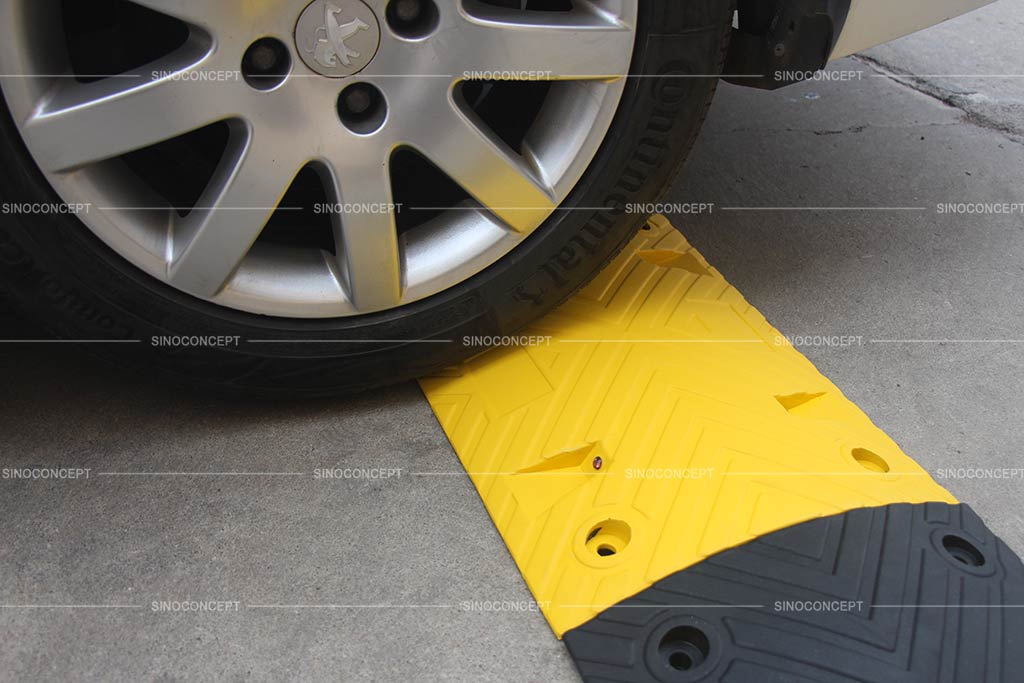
(388, 565)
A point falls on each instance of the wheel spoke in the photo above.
(365, 233)
(210, 243)
(82, 123)
(586, 43)
(485, 167)
(283, 118)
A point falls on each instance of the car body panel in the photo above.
(873, 22)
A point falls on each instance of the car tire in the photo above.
(60, 273)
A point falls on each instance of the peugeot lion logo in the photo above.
(337, 38)
(330, 47)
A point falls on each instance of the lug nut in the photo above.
(408, 11)
(358, 100)
(412, 19)
(263, 58)
(362, 108)
(266, 63)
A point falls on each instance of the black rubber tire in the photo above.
(60, 273)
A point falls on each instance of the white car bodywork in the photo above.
(873, 22)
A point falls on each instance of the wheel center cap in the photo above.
(337, 38)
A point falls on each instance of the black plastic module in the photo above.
(898, 594)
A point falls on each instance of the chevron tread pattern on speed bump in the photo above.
(904, 593)
(664, 422)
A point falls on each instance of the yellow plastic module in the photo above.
(659, 420)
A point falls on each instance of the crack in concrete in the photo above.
(957, 99)
(852, 129)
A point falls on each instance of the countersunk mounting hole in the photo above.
(680, 661)
(684, 648)
(608, 538)
(963, 551)
(870, 461)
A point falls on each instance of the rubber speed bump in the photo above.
(662, 430)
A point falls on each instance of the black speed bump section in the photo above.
(897, 594)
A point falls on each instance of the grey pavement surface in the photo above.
(972, 62)
(389, 565)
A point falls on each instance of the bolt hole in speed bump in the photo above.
(608, 538)
(689, 499)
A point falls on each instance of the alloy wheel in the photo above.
(314, 160)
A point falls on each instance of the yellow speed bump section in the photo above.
(657, 419)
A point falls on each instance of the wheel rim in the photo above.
(85, 131)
